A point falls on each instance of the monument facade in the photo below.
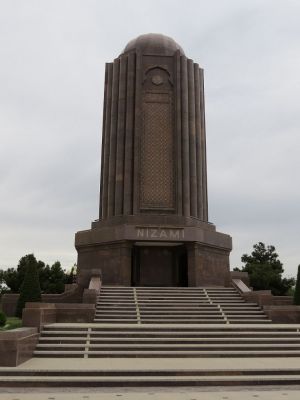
(153, 227)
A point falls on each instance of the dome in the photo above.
(154, 43)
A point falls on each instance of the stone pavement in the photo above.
(158, 363)
(278, 393)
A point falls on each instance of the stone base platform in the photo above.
(151, 251)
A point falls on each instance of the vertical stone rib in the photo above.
(113, 139)
(128, 162)
(103, 142)
(178, 132)
(106, 141)
(121, 136)
(185, 137)
(138, 126)
(192, 139)
(203, 147)
(198, 142)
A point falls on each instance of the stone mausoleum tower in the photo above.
(153, 227)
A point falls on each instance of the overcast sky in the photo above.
(52, 56)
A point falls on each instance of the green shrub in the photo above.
(30, 289)
(297, 289)
(2, 318)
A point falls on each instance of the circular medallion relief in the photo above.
(157, 79)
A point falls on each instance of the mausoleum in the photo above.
(153, 227)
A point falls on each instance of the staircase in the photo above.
(160, 341)
(150, 336)
(155, 305)
(145, 322)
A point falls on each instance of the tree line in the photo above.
(52, 279)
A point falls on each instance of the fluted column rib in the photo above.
(113, 135)
(185, 137)
(203, 147)
(179, 136)
(128, 162)
(192, 139)
(198, 142)
(121, 137)
(106, 141)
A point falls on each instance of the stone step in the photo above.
(167, 294)
(166, 321)
(179, 312)
(171, 297)
(168, 340)
(115, 316)
(181, 316)
(190, 308)
(241, 307)
(242, 312)
(245, 316)
(169, 347)
(174, 354)
(150, 381)
(22, 372)
(113, 312)
(173, 336)
(228, 299)
(117, 306)
(174, 303)
(249, 321)
(116, 296)
(175, 328)
(120, 320)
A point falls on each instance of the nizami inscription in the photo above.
(160, 233)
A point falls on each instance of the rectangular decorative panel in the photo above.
(157, 152)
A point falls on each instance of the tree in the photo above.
(3, 287)
(265, 270)
(52, 279)
(13, 278)
(297, 288)
(30, 288)
(56, 279)
(70, 276)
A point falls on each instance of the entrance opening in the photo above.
(159, 266)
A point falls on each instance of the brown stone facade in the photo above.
(153, 189)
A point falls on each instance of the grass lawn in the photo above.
(11, 323)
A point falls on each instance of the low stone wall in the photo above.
(39, 314)
(72, 294)
(265, 297)
(243, 276)
(279, 309)
(9, 304)
(17, 346)
(89, 296)
(281, 314)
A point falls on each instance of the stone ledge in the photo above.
(39, 314)
(289, 314)
(160, 233)
(17, 346)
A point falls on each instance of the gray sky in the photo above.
(52, 56)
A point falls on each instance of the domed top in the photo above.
(154, 43)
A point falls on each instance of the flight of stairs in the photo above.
(150, 336)
(152, 305)
(170, 322)
(160, 341)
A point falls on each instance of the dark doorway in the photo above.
(159, 266)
